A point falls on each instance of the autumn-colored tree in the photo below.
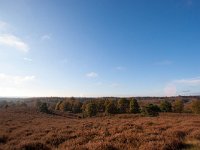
(58, 105)
(196, 106)
(166, 106)
(76, 107)
(178, 106)
(64, 106)
(134, 106)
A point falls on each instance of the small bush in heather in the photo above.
(134, 106)
(166, 106)
(151, 110)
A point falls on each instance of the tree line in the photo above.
(91, 108)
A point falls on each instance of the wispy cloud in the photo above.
(46, 37)
(192, 82)
(28, 59)
(171, 87)
(92, 75)
(14, 42)
(10, 80)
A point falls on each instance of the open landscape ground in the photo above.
(28, 129)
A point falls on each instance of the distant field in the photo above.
(28, 129)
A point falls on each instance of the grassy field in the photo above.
(23, 128)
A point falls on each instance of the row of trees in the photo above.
(123, 105)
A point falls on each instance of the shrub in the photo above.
(76, 107)
(101, 105)
(58, 105)
(43, 108)
(123, 105)
(134, 106)
(178, 106)
(71, 105)
(111, 108)
(166, 106)
(91, 109)
(151, 110)
(65, 106)
(196, 106)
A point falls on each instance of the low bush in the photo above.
(151, 110)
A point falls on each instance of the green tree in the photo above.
(43, 108)
(100, 105)
(111, 108)
(178, 106)
(123, 105)
(166, 106)
(134, 106)
(196, 106)
(91, 109)
(151, 110)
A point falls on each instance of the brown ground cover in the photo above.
(28, 129)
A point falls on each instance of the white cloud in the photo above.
(14, 80)
(193, 81)
(92, 75)
(28, 59)
(46, 37)
(13, 41)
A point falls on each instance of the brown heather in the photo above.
(27, 129)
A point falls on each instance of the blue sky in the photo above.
(99, 47)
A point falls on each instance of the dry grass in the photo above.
(27, 129)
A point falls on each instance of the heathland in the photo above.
(100, 124)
